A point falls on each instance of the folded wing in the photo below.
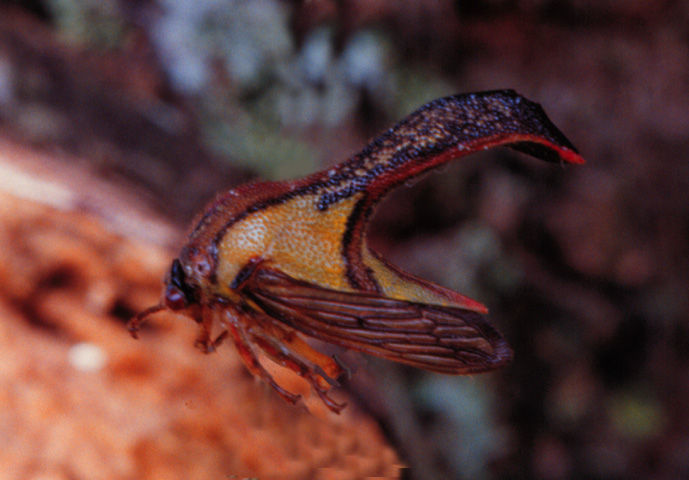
(441, 339)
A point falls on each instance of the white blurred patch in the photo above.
(246, 37)
(87, 357)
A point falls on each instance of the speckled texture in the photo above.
(452, 126)
(303, 241)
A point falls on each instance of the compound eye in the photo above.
(176, 275)
(175, 298)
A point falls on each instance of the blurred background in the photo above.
(585, 270)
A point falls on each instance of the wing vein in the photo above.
(438, 338)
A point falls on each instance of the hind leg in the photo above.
(249, 330)
(236, 327)
(290, 355)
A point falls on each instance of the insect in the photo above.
(268, 262)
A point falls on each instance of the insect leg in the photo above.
(206, 318)
(327, 367)
(274, 345)
(134, 325)
(237, 331)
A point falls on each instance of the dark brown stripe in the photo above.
(359, 275)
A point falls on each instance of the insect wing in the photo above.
(442, 339)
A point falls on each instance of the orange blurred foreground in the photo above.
(79, 398)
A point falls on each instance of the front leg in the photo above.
(206, 320)
(206, 344)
